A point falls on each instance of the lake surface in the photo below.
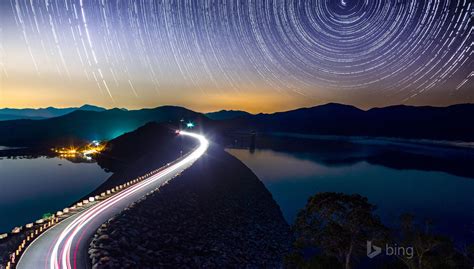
(428, 183)
(31, 187)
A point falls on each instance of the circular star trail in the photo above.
(390, 50)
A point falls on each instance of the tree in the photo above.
(470, 253)
(430, 250)
(295, 260)
(339, 225)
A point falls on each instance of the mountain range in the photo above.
(425, 122)
(437, 123)
(51, 112)
(42, 113)
(227, 114)
(82, 125)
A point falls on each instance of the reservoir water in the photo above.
(32, 187)
(433, 183)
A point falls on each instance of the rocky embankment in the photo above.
(217, 214)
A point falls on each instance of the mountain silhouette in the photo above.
(18, 117)
(42, 113)
(226, 114)
(79, 126)
(436, 123)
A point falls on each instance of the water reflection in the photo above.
(396, 181)
(33, 186)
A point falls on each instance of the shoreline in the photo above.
(217, 212)
(369, 140)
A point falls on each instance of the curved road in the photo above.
(65, 245)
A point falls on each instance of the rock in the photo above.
(216, 214)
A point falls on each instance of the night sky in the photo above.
(257, 55)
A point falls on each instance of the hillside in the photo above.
(136, 153)
(42, 113)
(88, 125)
(437, 123)
(226, 114)
(18, 117)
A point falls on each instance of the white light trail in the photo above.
(62, 254)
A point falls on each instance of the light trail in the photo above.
(61, 251)
(383, 50)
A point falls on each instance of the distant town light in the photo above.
(84, 151)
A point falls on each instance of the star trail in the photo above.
(259, 55)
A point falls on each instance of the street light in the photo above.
(190, 125)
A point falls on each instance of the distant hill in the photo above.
(438, 123)
(226, 114)
(143, 143)
(138, 152)
(83, 125)
(42, 113)
(18, 117)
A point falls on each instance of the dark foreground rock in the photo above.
(216, 214)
